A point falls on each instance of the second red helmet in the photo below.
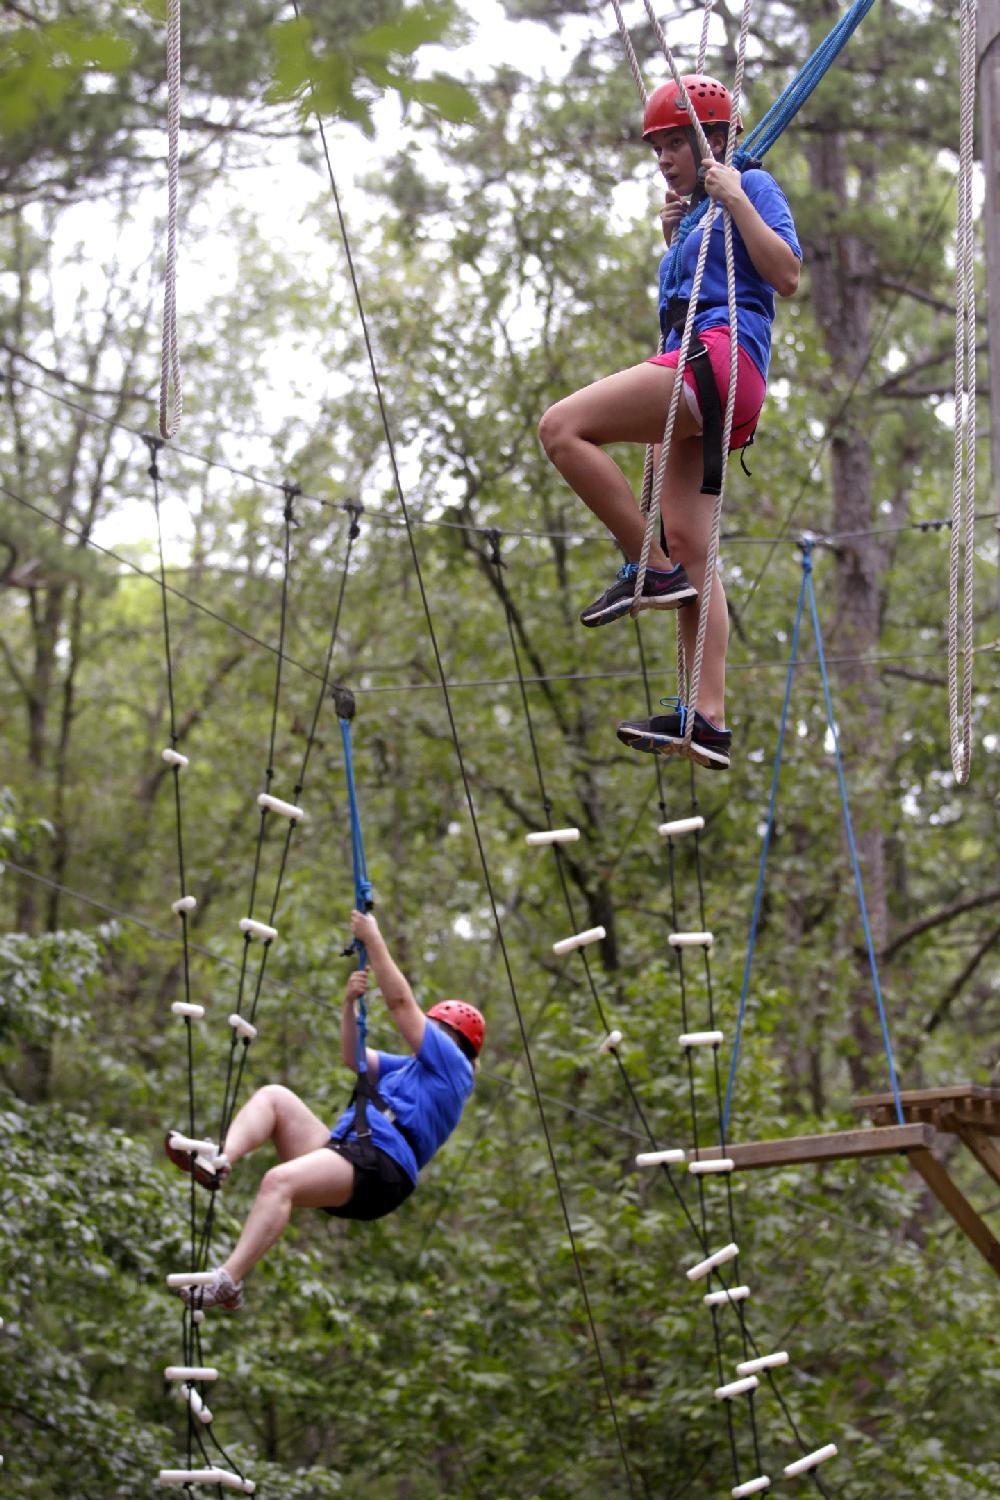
(711, 100)
(465, 1018)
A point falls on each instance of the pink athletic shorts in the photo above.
(750, 384)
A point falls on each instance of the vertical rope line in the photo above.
(768, 831)
(964, 471)
(470, 801)
(855, 864)
(170, 361)
(632, 60)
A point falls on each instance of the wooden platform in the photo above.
(969, 1111)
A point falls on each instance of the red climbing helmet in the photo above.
(711, 100)
(465, 1019)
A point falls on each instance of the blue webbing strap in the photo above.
(362, 900)
(759, 892)
(808, 588)
(781, 114)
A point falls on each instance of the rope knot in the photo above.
(154, 444)
(291, 493)
(355, 510)
(493, 537)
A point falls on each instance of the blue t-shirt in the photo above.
(427, 1093)
(754, 295)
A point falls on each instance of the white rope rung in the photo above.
(811, 1461)
(729, 1294)
(752, 1487)
(257, 929)
(691, 939)
(188, 1143)
(241, 1027)
(185, 1008)
(579, 940)
(186, 903)
(717, 1258)
(553, 836)
(736, 1388)
(197, 1315)
(681, 825)
(660, 1158)
(190, 1278)
(283, 809)
(190, 1372)
(190, 1395)
(766, 1362)
(174, 758)
(699, 1039)
(211, 1475)
(611, 1041)
(709, 1168)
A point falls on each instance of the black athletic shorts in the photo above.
(380, 1184)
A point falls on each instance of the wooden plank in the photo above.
(949, 1092)
(838, 1145)
(946, 1108)
(961, 1210)
(983, 1148)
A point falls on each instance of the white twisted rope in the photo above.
(170, 360)
(689, 691)
(963, 490)
(633, 61)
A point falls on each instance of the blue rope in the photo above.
(808, 588)
(791, 99)
(855, 866)
(362, 885)
(781, 114)
(758, 894)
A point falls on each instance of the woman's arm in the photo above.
(356, 987)
(773, 258)
(398, 996)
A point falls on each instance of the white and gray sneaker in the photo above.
(222, 1291)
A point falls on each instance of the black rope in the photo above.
(390, 447)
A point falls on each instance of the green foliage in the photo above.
(40, 65)
(341, 79)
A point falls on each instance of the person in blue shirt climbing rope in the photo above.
(631, 406)
(413, 1103)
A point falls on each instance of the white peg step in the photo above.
(766, 1362)
(700, 1039)
(185, 1008)
(185, 903)
(811, 1460)
(197, 1315)
(611, 1041)
(691, 939)
(190, 1395)
(579, 940)
(553, 836)
(710, 1168)
(717, 1258)
(257, 929)
(736, 1388)
(283, 809)
(190, 1278)
(660, 1158)
(752, 1487)
(241, 1027)
(190, 1372)
(188, 1143)
(211, 1475)
(730, 1294)
(174, 758)
(681, 825)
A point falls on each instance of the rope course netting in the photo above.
(719, 1266)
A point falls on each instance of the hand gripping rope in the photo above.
(344, 704)
(206, 1157)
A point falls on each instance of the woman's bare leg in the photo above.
(320, 1179)
(275, 1113)
(687, 521)
(630, 407)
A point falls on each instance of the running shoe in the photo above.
(210, 1172)
(222, 1292)
(661, 589)
(663, 734)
